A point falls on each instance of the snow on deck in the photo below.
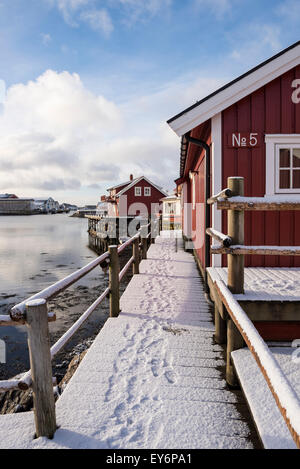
(269, 421)
(265, 283)
(151, 379)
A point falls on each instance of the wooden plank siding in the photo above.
(269, 110)
(197, 161)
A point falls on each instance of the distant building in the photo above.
(102, 209)
(171, 214)
(16, 206)
(135, 197)
(8, 196)
(45, 205)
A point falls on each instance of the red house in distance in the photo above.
(251, 128)
(136, 197)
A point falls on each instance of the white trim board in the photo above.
(216, 187)
(271, 141)
(238, 90)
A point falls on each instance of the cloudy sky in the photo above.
(87, 85)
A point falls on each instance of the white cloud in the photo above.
(46, 38)
(99, 20)
(57, 138)
(218, 7)
(69, 7)
(2, 90)
(258, 42)
(50, 129)
(289, 10)
(131, 11)
(135, 10)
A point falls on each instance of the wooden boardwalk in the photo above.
(153, 377)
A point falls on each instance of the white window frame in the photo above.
(273, 143)
(278, 190)
(147, 189)
(137, 191)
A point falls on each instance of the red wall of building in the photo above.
(196, 162)
(133, 201)
(269, 110)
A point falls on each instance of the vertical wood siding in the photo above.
(269, 110)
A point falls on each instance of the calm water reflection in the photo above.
(36, 251)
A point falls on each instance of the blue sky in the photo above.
(90, 83)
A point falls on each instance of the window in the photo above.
(282, 164)
(137, 191)
(170, 208)
(287, 168)
(147, 191)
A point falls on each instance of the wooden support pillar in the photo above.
(136, 256)
(220, 328)
(41, 368)
(234, 342)
(114, 287)
(235, 274)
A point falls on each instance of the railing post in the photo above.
(235, 274)
(114, 287)
(153, 228)
(144, 233)
(236, 232)
(136, 256)
(41, 369)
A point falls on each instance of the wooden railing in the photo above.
(33, 312)
(234, 326)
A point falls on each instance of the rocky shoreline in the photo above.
(68, 307)
(13, 402)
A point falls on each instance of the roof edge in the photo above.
(244, 75)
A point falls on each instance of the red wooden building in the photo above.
(138, 196)
(251, 128)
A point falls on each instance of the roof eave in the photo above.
(237, 89)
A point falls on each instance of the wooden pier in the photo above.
(153, 377)
(104, 231)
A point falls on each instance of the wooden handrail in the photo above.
(17, 312)
(258, 203)
(125, 268)
(222, 238)
(26, 381)
(257, 250)
(18, 316)
(225, 193)
(285, 397)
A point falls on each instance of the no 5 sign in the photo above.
(243, 140)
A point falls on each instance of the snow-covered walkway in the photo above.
(152, 377)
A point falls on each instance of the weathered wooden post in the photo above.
(136, 256)
(160, 223)
(220, 327)
(144, 233)
(235, 274)
(41, 369)
(114, 284)
(153, 227)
